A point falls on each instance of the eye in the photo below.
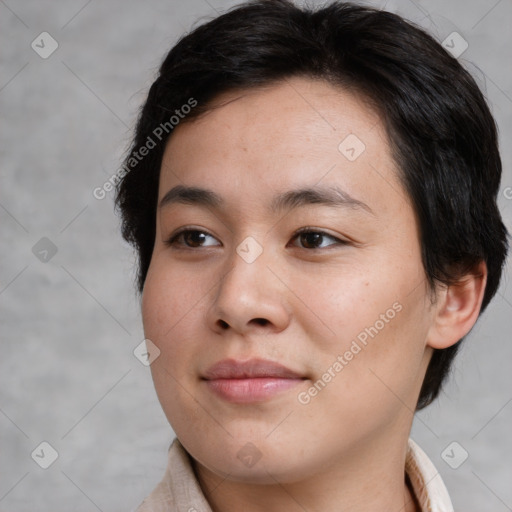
(312, 238)
(192, 238)
(195, 238)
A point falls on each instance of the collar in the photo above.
(426, 481)
(179, 489)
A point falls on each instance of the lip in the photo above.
(255, 380)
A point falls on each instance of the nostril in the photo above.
(223, 324)
(260, 321)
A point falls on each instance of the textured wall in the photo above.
(70, 324)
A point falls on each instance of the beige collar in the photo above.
(179, 489)
(426, 481)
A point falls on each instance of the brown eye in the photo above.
(312, 239)
(193, 238)
(189, 238)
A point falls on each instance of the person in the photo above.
(312, 197)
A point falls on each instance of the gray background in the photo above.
(69, 326)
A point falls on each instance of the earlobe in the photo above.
(458, 308)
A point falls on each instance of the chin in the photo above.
(249, 461)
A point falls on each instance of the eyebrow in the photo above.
(331, 196)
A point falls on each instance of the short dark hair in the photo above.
(442, 134)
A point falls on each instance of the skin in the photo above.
(297, 303)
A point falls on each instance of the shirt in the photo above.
(179, 490)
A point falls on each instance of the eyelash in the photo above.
(172, 242)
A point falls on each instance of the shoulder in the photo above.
(179, 489)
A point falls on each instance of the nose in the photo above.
(251, 297)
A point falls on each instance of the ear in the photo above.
(457, 308)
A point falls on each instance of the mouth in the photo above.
(255, 380)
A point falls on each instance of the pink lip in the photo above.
(255, 380)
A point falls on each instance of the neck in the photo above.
(360, 482)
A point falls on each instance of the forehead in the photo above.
(299, 132)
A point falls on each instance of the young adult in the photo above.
(316, 224)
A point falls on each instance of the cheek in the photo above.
(378, 318)
(352, 298)
(170, 313)
(170, 310)
(169, 299)
(382, 347)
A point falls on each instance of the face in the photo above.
(292, 327)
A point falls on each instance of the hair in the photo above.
(442, 135)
